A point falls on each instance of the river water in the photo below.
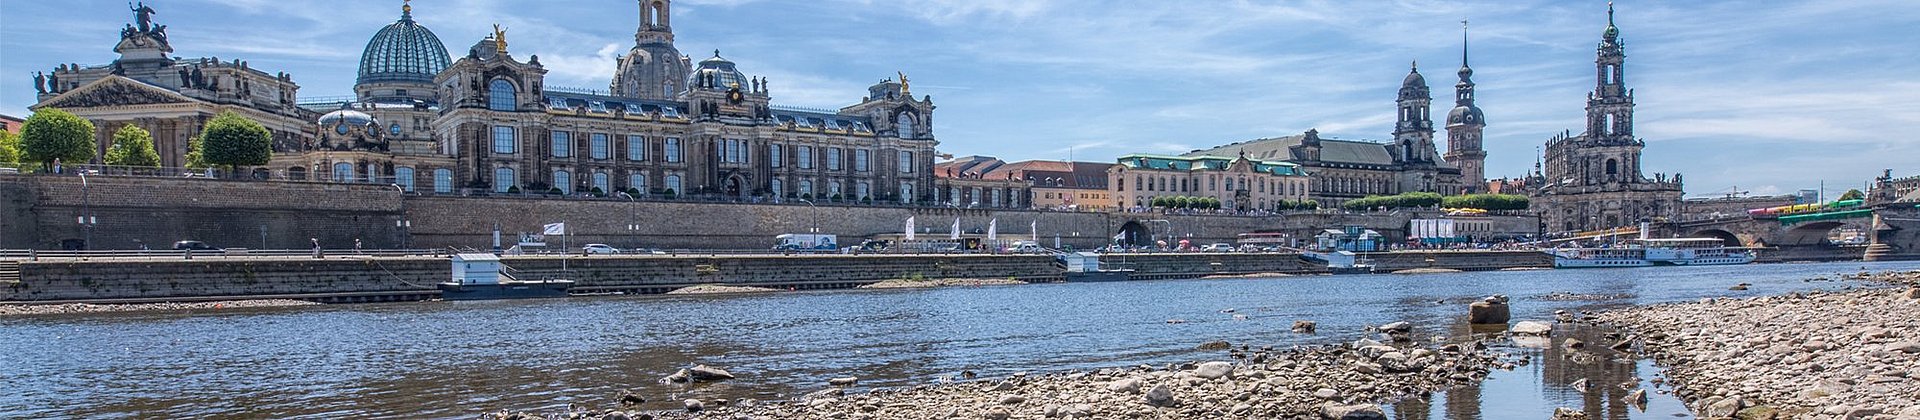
(460, 359)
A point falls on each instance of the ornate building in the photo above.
(170, 97)
(486, 123)
(1240, 183)
(1593, 180)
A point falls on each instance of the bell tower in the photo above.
(1465, 125)
(1610, 107)
(653, 69)
(1413, 133)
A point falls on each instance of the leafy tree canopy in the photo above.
(232, 140)
(54, 134)
(132, 146)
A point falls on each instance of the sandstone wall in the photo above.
(227, 214)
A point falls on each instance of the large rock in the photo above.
(1304, 326)
(1564, 413)
(1159, 396)
(1532, 328)
(708, 373)
(1489, 311)
(1128, 385)
(1352, 412)
(1214, 370)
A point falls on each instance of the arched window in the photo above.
(673, 184)
(637, 181)
(779, 188)
(563, 180)
(501, 96)
(603, 182)
(806, 188)
(403, 176)
(1613, 168)
(443, 180)
(906, 192)
(503, 180)
(343, 172)
(905, 121)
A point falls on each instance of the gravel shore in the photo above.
(1346, 381)
(84, 308)
(909, 284)
(714, 289)
(1812, 355)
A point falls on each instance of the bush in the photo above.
(51, 133)
(668, 192)
(633, 191)
(513, 189)
(555, 191)
(9, 147)
(132, 146)
(1404, 200)
(597, 192)
(1486, 202)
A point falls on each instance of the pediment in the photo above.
(114, 90)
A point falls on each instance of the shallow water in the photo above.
(459, 359)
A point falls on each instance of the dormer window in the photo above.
(597, 106)
(557, 103)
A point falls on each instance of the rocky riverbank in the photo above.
(84, 308)
(1815, 355)
(1336, 382)
(911, 283)
(714, 289)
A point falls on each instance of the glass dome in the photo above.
(723, 71)
(404, 51)
(348, 116)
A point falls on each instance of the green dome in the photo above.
(404, 51)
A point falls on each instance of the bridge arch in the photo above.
(1728, 237)
(1814, 233)
(1134, 233)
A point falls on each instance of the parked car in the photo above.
(1219, 247)
(193, 246)
(599, 249)
(1025, 247)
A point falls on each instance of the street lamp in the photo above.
(815, 227)
(86, 214)
(633, 228)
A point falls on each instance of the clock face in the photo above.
(736, 97)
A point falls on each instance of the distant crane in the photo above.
(1732, 192)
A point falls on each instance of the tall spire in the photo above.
(406, 10)
(1463, 45)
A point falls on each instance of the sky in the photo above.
(1766, 97)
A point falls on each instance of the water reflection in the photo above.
(458, 359)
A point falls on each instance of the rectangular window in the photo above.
(442, 181)
(638, 181)
(503, 139)
(599, 150)
(861, 162)
(637, 148)
(806, 157)
(562, 144)
(774, 157)
(833, 159)
(906, 162)
(403, 176)
(673, 150)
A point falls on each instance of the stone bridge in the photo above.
(1895, 225)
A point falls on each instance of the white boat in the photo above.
(1649, 252)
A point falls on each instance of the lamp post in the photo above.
(632, 227)
(86, 214)
(815, 212)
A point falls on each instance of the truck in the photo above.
(806, 242)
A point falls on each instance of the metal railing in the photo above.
(22, 254)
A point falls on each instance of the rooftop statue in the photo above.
(142, 15)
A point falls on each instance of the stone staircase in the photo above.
(9, 272)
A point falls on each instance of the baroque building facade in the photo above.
(486, 122)
(1593, 180)
(1240, 183)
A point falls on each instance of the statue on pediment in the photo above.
(142, 15)
(40, 82)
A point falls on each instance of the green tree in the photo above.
(234, 141)
(132, 146)
(54, 134)
(1853, 194)
(9, 147)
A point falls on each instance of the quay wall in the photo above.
(42, 213)
(1459, 260)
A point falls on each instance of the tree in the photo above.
(232, 140)
(9, 147)
(1853, 194)
(54, 134)
(132, 146)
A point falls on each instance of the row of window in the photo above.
(1145, 183)
(1354, 186)
(403, 176)
(991, 197)
(600, 145)
(731, 151)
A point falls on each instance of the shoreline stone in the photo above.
(714, 289)
(87, 308)
(1818, 355)
(946, 282)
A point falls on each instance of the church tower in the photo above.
(1610, 108)
(653, 69)
(1464, 127)
(1413, 134)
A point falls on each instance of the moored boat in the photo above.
(1650, 252)
(478, 277)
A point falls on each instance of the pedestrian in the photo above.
(316, 247)
(356, 246)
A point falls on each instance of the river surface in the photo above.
(460, 359)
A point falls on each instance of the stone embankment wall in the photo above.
(206, 277)
(660, 274)
(1458, 260)
(1190, 265)
(41, 212)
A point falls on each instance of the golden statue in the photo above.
(904, 90)
(499, 39)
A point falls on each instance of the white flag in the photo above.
(1035, 228)
(956, 229)
(556, 229)
(993, 229)
(909, 228)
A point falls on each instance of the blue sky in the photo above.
(1769, 96)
